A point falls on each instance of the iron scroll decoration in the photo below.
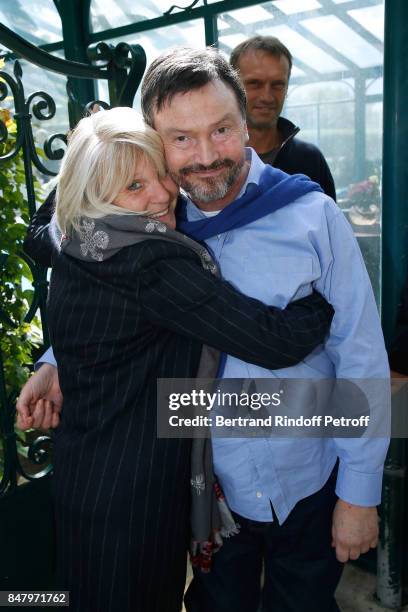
(42, 106)
(123, 66)
(184, 8)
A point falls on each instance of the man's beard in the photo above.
(209, 189)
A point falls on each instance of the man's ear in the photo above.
(246, 133)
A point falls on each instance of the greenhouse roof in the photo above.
(324, 36)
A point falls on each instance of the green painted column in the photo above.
(211, 30)
(395, 161)
(75, 19)
(391, 553)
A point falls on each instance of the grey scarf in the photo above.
(98, 240)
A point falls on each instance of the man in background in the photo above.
(264, 65)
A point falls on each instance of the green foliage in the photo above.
(15, 293)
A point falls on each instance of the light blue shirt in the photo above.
(276, 259)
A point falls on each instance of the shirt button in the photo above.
(258, 494)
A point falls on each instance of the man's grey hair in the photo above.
(185, 69)
(268, 44)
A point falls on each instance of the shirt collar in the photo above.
(255, 170)
(254, 175)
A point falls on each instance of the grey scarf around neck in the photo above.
(100, 239)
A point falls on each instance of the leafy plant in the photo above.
(15, 293)
(17, 337)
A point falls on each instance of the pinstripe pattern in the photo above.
(121, 494)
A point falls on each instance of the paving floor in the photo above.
(355, 593)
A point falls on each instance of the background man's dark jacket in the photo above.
(298, 157)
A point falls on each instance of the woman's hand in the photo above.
(40, 401)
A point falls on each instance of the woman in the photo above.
(131, 301)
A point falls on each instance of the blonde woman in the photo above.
(131, 300)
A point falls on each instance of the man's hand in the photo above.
(354, 530)
(398, 382)
(40, 401)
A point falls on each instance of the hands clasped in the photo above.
(40, 401)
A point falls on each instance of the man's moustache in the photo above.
(217, 165)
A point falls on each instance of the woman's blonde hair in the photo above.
(100, 162)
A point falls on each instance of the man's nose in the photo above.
(267, 93)
(206, 152)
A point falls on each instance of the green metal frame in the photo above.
(392, 554)
(75, 20)
(122, 66)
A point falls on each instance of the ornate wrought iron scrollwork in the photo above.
(3, 128)
(17, 93)
(100, 53)
(122, 66)
(36, 453)
(90, 105)
(42, 106)
(3, 132)
(16, 455)
(184, 8)
(39, 453)
(17, 138)
(127, 64)
(40, 285)
(55, 154)
(8, 479)
(134, 58)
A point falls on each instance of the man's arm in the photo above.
(356, 348)
(38, 244)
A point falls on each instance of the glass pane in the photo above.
(289, 7)
(375, 87)
(335, 95)
(250, 14)
(123, 12)
(371, 18)
(37, 20)
(154, 42)
(344, 40)
(305, 51)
